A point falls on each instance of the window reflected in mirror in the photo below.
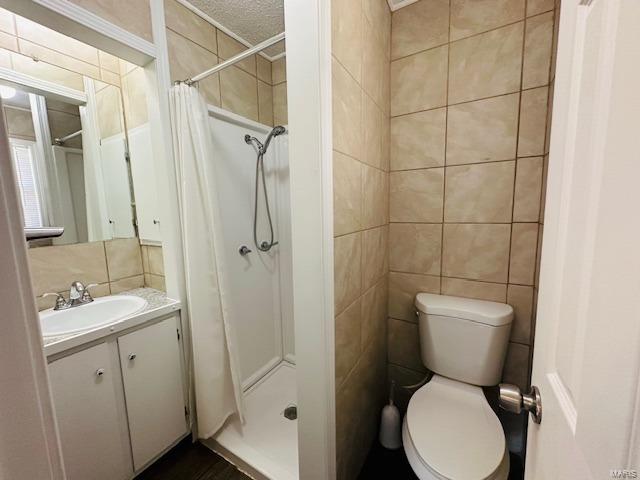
(71, 163)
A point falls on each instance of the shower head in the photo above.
(262, 149)
(277, 130)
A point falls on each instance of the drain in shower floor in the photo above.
(291, 412)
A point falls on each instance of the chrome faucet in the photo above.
(78, 295)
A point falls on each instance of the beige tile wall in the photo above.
(153, 267)
(135, 17)
(133, 94)
(115, 265)
(30, 48)
(360, 76)
(19, 122)
(63, 119)
(109, 106)
(279, 78)
(469, 89)
(254, 88)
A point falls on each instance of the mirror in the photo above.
(82, 143)
(71, 163)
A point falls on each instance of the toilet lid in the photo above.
(454, 430)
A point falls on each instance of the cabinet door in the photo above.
(90, 413)
(143, 171)
(152, 375)
(116, 185)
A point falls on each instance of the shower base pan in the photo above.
(266, 446)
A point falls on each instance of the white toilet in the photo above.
(450, 432)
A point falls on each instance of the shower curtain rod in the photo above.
(61, 140)
(241, 56)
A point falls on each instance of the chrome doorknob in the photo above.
(131, 356)
(513, 400)
(244, 250)
(99, 372)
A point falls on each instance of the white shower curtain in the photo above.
(218, 392)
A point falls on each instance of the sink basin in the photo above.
(102, 311)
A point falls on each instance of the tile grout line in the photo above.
(515, 172)
(460, 164)
(454, 277)
(464, 102)
(359, 83)
(409, 222)
(106, 263)
(361, 162)
(412, 370)
(449, 42)
(446, 141)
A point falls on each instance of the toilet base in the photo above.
(424, 473)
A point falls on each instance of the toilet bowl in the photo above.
(450, 432)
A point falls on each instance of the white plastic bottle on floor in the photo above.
(390, 436)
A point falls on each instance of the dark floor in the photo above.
(393, 464)
(191, 461)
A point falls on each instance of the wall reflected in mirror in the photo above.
(71, 163)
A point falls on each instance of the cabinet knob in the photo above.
(99, 372)
(132, 356)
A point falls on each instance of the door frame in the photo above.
(26, 410)
(309, 92)
(311, 176)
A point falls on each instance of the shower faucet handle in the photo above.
(244, 250)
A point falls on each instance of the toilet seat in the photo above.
(451, 433)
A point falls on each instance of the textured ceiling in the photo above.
(253, 20)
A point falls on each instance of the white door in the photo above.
(587, 344)
(153, 389)
(87, 397)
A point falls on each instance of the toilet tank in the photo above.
(462, 338)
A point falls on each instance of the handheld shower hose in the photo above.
(262, 150)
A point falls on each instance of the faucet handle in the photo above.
(86, 296)
(61, 303)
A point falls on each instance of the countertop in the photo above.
(158, 304)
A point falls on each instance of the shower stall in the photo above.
(256, 233)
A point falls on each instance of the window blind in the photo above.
(23, 155)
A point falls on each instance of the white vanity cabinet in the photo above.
(120, 404)
(152, 377)
(89, 405)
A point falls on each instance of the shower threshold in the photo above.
(266, 446)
